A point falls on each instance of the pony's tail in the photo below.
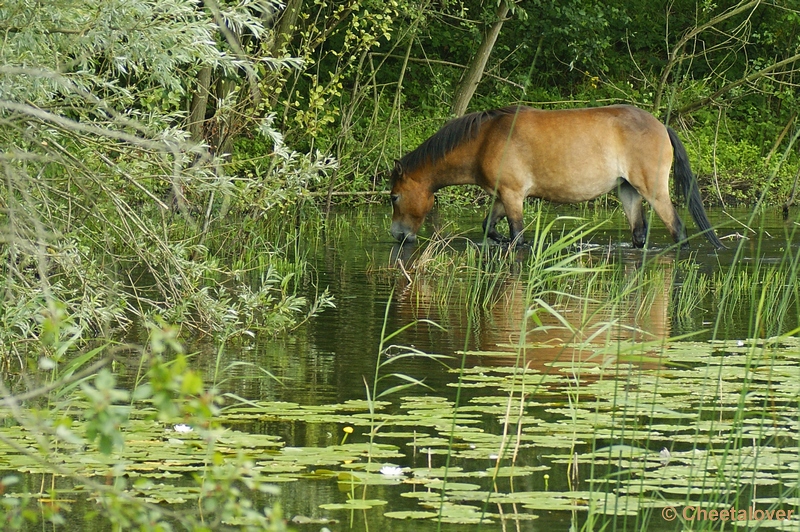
(686, 183)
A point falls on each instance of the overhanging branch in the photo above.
(747, 79)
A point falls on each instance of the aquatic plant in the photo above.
(607, 323)
(388, 355)
(91, 425)
(692, 288)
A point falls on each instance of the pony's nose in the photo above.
(405, 238)
(401, 235)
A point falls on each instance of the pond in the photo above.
(580, 384)
(619, 421)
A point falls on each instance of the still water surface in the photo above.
(358, 266)
(328, 360)
(578, 400)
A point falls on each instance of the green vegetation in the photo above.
(169, 165)
(379, 76)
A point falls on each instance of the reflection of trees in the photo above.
(624, 302)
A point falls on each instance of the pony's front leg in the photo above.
(490, 222)
(515, 221)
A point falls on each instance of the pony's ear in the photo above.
(398, 168)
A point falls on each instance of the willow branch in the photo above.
(673, 55)
(747, 79)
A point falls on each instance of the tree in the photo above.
(92, 100)
(674, 56)
(474, 71)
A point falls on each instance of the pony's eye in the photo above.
(394, 198)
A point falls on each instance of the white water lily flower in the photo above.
(391, 471)
(665, 456)
(182, 428)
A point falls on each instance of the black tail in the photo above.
(686, 183)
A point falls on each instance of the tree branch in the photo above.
(472, 75)
(450, 64)
(747, 79)
(673, 55)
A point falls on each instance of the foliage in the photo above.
(275, 176)
(159, 157)
(168, 395)
(107, 204)
(334, 38)
(682, 62)
(124, 56)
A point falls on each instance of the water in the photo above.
(333, 358)
(358, 267)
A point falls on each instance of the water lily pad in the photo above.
(438, 484)
(461, 514)
(410, 514)
(354, 504)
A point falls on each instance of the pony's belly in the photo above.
(573, 190)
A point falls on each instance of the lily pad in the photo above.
(354, 504)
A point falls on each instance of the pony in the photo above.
(564, 156)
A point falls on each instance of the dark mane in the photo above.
(453, 134)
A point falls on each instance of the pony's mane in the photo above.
(453, 134)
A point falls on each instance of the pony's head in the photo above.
(411, 202)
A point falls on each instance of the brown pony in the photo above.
(565, 156)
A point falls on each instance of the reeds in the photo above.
(633, 312)
(692, 287)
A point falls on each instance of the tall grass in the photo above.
(602, 302)
(692, 287)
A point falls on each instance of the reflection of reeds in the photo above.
(746, 299)
(550, 256)
(759, 298)
(602, 304)
(691, 287)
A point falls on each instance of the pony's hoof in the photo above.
(497, 237)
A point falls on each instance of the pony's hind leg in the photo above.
(634, 210)
(490, 222)
(666, 211)
(652, 182)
